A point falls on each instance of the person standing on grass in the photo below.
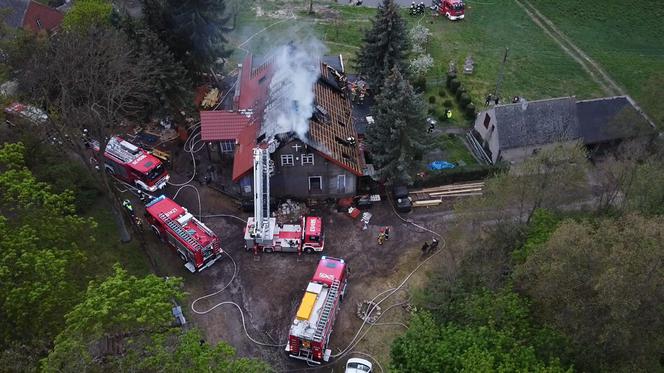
(433, 246)
(425, 247)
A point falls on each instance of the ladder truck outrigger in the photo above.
(312, 327)
(262, 233)
(194, 242)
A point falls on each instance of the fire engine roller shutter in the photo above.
(306, 306)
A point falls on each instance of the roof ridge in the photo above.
(540, 100)
(603, 98)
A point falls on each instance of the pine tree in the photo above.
(384, 46)
(194, 30)
(394, 139)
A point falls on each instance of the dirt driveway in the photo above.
(269, 290)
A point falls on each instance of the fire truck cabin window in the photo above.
(155, 172)
(331, 264)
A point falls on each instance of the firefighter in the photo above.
(425, 247)
(126, 204)
(386, 230)
(448, 114)
(433, 246)
(381, 237)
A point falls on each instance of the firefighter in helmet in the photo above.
(127, 204)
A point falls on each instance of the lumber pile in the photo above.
(435, 195)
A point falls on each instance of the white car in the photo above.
(356, 365)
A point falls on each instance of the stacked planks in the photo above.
(435, 195)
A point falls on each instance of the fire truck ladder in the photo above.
(327, 310)
(177, 228)
(261, 191)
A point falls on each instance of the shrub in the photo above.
(420, 84)
(450, 76)
(442, 92)
(460, 91)
(470, 111)
(447, 103)
(456, 175)
(432, 99)
(454, 85)
(464, 100)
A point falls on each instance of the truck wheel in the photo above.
(157, 233)
(184, 258)
(447, 15)
(308, 250)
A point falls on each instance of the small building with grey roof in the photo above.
(514, 132)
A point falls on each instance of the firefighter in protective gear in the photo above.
(127, 204)
(381, 238)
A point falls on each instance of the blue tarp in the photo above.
(441, 165)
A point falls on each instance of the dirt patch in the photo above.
(269, 290)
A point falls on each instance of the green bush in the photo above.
(456, 175)
(454, 85)
(450, 77)
(442, 92)
(447, 104)
(432, 99)
(460, 91)
(471, 112)
(420, 84)
(464, 100)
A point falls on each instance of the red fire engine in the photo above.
(452, 9)
(133, 165)
(263, 234)
(195, 243)
(312, 327)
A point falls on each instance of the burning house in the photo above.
(298, 106)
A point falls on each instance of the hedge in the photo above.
(456, 175)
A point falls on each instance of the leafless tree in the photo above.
(90, 80)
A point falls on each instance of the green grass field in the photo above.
(536, 67)
(626, 39)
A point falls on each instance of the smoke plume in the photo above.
(291, 102)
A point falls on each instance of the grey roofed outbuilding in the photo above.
(610, 118)
(537, 122)
(16, 12)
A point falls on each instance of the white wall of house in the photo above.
(487, 126)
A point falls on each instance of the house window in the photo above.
(315, 183)
(487, 120)
(227, 146)
(341, 183)
(307, 159)
(287, 160)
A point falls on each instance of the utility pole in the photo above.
(500, 74)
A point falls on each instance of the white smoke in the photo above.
(291, 100)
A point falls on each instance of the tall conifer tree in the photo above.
(395, 138)
(384, 46)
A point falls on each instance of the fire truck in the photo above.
(133, 165)
(452, 9)
(311, 329)
(195, 243)
(263, 234)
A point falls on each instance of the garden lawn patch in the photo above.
(625, 39)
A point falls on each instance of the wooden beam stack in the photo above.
(434, 196)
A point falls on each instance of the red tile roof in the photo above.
(243, 162)
(41, 17)
(254, 84)
(222, 125)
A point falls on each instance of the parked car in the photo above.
(402, 199)
(356, 365)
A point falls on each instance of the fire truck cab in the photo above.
(133, 165)
(195, 243)
(452, 9)
(311, 329)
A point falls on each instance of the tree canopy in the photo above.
(87, 13)
(602, 283)
(384, 46)
(194, 30)
(395, 139)
(40, 249)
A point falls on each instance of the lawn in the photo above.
(107, 248)
(626, 39)
(455, 149)
(536, 67)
